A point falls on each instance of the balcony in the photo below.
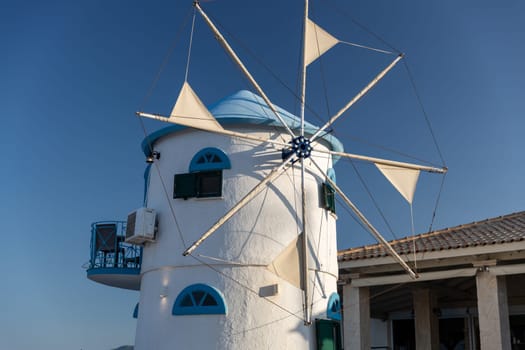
(113, 262)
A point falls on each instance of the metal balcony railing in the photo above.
(108, 249)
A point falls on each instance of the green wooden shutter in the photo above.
(328, 197)
(185, 186)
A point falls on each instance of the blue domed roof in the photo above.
(245, 107)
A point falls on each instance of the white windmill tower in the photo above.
(245, 252)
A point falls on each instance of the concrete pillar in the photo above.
(426, 322)
(493, 311)
(356, 317)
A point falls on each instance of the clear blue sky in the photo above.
(72, 74)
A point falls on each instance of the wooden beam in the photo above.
(426, 276)
(502, 270)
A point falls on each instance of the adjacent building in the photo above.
(470, 293)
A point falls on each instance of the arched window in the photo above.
(209, 159)
(205, 176)
(333, 310)
(199, 299)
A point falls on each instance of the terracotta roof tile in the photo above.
(503, 229)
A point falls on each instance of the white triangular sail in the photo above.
(288, 264)
(317, 41)
(404, 180)
(190, 111)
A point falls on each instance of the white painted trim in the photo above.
(503, 270)
(427, 276)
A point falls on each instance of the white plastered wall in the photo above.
(236, 255)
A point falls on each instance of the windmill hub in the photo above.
(301, 147)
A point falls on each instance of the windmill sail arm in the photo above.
(357, 97)
(245, 200)
(220, 38)
(369, 226)
(217, 131)
(304, 268)
(153, 116)
(303, 71)
(393, 163)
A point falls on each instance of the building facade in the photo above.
(470, 293)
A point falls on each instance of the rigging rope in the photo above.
(376, 204)
(413, 236)
(437, 202)
(190, 45)
(363, 27)
(418, 97)
(367, 47)
(272, 322)
(165, 61)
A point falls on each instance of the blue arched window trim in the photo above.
(136, 311)
(147, 173)
(199, 299)
(209, 158)
(333, 310)
(331, 174)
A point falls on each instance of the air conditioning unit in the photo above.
(141, 226)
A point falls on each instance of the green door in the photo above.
(328, 335)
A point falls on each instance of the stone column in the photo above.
(356, 317)
(426, 322)
(493, 311)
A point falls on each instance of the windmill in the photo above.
(301, 148)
